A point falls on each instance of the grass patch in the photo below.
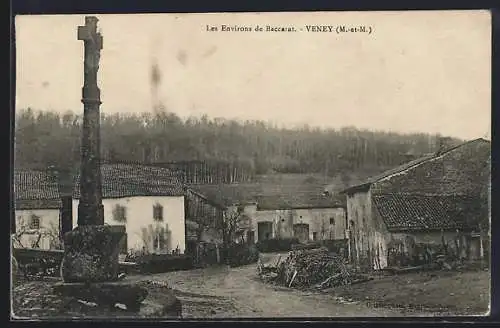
(459, 293)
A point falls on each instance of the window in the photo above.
(315, 235)
(35, 222)
(332, 221)
(158, 212)
(120, 213)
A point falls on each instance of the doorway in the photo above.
(264, 230)
(301, 232)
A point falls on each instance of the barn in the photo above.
(441, 199)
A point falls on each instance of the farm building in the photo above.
(147, 200)
(37, 208)
(440, 199)
(271, 209)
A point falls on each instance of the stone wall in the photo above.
(367, 233)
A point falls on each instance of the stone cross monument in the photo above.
(91, 249)
(90, 264)
(90, 209)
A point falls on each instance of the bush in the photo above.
(38, 262)
(242, 254)
(158, 263)
(276, 245)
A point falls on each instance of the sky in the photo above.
(416, 72)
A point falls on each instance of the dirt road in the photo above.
(223, 292)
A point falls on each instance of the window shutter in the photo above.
(120, 213)
(35, 222)
(158, 212)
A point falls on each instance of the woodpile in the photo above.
(314, 268)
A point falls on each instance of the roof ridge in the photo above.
(447, 150)
(421, 194)
(408, 166)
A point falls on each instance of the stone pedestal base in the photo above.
(91, 254)
(142, 300)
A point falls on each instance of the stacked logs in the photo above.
(314, 268)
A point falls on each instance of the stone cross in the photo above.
(90, 263)
(91, 249)
(90, 208)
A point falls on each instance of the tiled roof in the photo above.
(390, 172)
(405, 212)
(228, 194)
(455, 170)
(270, 195)
(129, 180)
(464, 170)
(36, 190)
(299, 200)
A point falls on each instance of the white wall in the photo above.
(316, 218)
(49, 226)
(319, 222)
(139, 214)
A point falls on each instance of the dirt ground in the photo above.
(230, 298)
(448, 293)
(224, 292)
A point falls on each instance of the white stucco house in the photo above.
(37, 209)
(147, 200)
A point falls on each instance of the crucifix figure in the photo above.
(90, 209)
(93, 46)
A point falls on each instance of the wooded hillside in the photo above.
(46, 138)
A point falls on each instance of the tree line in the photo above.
(44, 138)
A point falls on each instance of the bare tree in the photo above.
(21, 229)
(155, 238)
(231, 221)
(278, 227)
(324, 230)
(51, 233)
